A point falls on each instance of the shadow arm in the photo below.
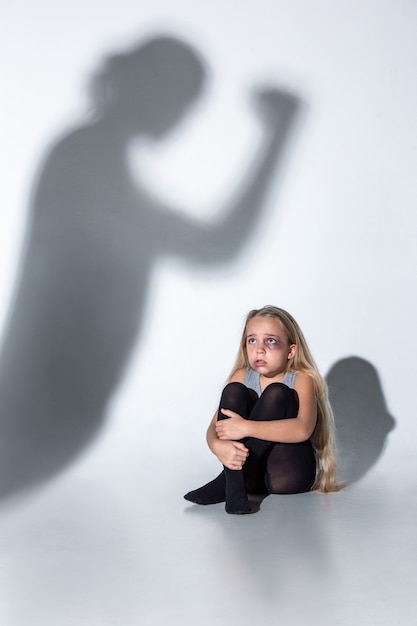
(221, 240)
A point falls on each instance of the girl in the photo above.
(274, 430)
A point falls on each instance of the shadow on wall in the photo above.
(362, 420)
(91, 242)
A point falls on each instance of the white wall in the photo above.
(336, 241)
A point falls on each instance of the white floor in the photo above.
(118, 546)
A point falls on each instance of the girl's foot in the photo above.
(238, 505)
(236, 496)
(212, 493)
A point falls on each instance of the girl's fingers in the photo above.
(228, 412)
(236, 466)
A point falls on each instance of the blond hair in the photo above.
(323, 437)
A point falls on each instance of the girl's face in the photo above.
(267, 346)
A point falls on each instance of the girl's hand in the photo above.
(231, 454)
(233, 428)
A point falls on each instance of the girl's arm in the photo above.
(232, 454)
(291, 430)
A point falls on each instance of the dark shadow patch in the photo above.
(92, 240)
(361, 416)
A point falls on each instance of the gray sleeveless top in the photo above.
(252, 380)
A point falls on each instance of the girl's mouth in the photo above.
(260, 363)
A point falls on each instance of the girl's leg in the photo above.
(270, 467)
(276, 402)
(229, 485)
(239, 398)
(286, 467)
(290, 468)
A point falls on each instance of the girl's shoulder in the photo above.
(302, 374)
(238, 376)
(305, 380)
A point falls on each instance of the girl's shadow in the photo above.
(361, 416)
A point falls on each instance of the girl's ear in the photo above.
(293, 350)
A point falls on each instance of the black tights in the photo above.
(271, 467)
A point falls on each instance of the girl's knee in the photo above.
(279, 389)
(235, 385)
(237, 397)
(281, 393)
(232, 391)
(278, 401)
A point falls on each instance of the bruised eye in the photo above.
(271, 341)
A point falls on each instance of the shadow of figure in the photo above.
(361, 416)
(91, 243)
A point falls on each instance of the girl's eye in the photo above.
(251, 340)
(271, 341)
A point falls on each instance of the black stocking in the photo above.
(277, 402)
(240, 399)
(270, 467)
(278, 467)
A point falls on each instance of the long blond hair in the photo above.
(323, 437)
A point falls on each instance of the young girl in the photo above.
(274, 430)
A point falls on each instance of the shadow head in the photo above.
(148, 89)
(362, 420)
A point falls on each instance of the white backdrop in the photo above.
(335, 241)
